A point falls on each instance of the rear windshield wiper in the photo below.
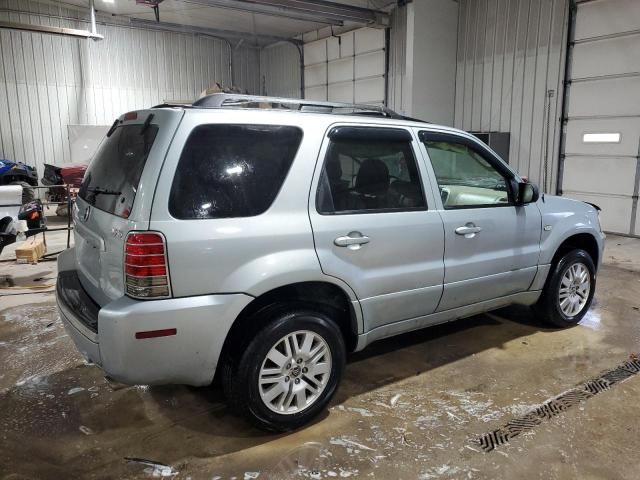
(104, 191)
(146, 124)
(113, 128)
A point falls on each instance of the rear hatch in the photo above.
(116, 197)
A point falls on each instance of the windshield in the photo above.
(111, 181)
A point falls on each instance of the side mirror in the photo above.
(527, 193)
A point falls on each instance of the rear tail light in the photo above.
(145, 265)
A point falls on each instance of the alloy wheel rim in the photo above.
(295, 372)
(575, 287)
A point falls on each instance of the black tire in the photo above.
(28, 193)
(548, 306)
(241, 367)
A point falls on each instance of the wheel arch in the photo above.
(328, 297)
(584, 241)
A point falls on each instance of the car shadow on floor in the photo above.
(382, 363)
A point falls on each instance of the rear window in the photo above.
(232, 170)
(111, 181)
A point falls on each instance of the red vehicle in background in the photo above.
(63, 182)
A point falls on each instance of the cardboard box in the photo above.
(31, 250)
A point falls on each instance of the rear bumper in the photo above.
(188, 357)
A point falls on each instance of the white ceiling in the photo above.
(185, 13)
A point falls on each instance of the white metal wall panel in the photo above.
(607, 57)
(396, 96)
(246, 69)
(315, 75)
(616, 210)
(341, 92)
(368, 40)
(346, 45)
(370, 90)
(510, 60)
(369, 64)
(280, 70)
(604, 98)
(593, 175)
(343, 64)
(315, 52)
(48, 82)
(340, 70)
(333, 48)
(316, 93)
(606, 17)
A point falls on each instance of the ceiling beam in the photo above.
(66, 32)
(317, 11)
(229, 34)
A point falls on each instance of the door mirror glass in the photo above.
(527, 193)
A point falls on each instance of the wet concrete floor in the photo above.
(408, 408)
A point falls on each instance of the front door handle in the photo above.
(353, 241)
(469, 230)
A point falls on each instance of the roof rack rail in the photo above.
(172, 104)
(220, 100)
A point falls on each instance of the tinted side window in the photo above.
(369, 174)
(232, 170)
(465, 178)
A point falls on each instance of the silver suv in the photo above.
(262, 239)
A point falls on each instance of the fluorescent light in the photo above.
(601, 138)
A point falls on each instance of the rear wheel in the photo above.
(28, 193)
(288, 372)
(569, 290)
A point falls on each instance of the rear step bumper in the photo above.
(189, 356)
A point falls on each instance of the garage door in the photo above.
(602, 144)
(346, 68)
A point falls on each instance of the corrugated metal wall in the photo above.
(280, 70)
(397, 60)
(510, 58)
(48, 82)
(246, 69)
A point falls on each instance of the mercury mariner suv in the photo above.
(261, 239)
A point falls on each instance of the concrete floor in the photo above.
(408, 408)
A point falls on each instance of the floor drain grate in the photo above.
(557, 405)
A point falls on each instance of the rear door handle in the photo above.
(353, 241)
(469, 230)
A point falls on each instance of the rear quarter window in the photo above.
(232, 170)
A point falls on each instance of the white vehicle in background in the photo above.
(11, 228)
(17, 220)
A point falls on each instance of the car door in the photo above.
(372, 223)
(492, 246)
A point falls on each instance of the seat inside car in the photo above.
(372, 183)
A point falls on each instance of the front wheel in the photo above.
(569, 290)
(289, 370)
